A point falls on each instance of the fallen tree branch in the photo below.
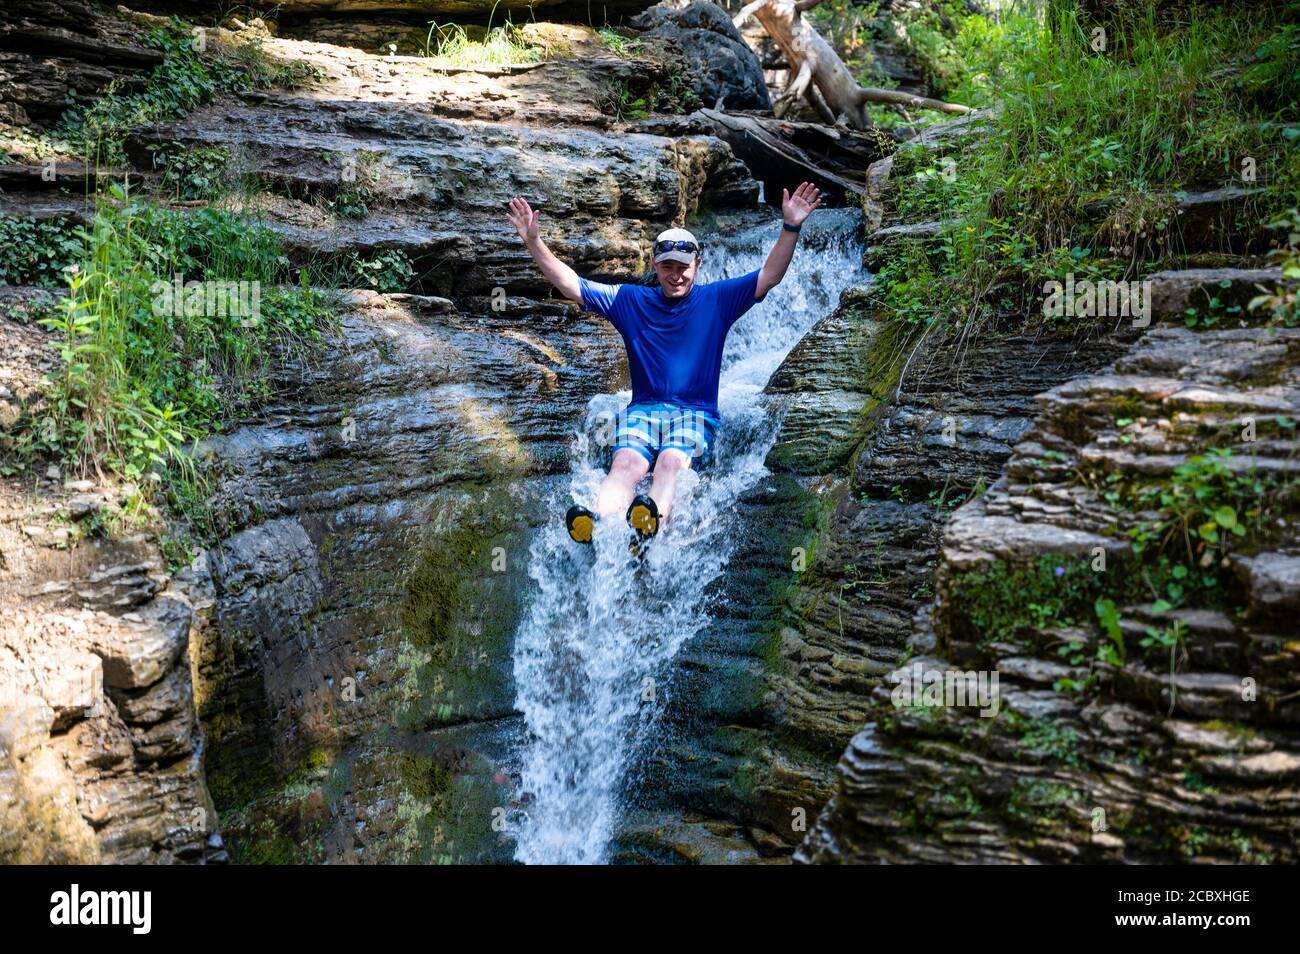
(875, 95)
(766, 146)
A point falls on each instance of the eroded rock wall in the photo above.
(356, 679)
(1169, 751)
(346, 643)
(101, 754)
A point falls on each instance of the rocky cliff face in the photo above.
(356, 678)
(101, 754)
(432, 155)
(338, 666)
(331, 681)
(1180, 750)
(1176, 742)
(870, 551)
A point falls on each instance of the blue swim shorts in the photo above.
(652, 426)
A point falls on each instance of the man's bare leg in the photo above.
(616, 490)
(663, 488)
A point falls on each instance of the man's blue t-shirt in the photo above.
(674, 348)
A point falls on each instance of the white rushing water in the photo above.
(595, 648)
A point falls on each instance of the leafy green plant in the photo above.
(626, 104)
(1281, 303)
(189, 172)
(962, 54)
(1197, 504)
(1173, 638)
(992, 603)
(1080, 164)
(1112, 652)
(97, 411)
(618, 43)
(267, 72)
(1273, 73)
(181, 83)
(139, 378)
(1207, 510)
(36, 253)
(675, 94)
(386, 271)
(350, 203)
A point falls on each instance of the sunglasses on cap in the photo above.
(680, 245)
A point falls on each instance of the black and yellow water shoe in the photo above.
(580, 522)
(643, 517)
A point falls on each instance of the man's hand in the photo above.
(565, 279)
(525, 220)
(795, 208)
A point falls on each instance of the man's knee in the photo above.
(672, 458)
(628, 464)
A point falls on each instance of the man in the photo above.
(674, 333)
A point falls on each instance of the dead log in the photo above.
(780, 151)
(820, 76)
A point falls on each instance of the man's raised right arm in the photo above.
(564, 278)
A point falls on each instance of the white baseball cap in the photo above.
(685, 256)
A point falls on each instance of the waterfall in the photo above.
(594, 651)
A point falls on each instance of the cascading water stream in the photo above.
(593, 653)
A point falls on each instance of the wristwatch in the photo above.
(790, 228)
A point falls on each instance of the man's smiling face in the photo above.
(676, 278)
